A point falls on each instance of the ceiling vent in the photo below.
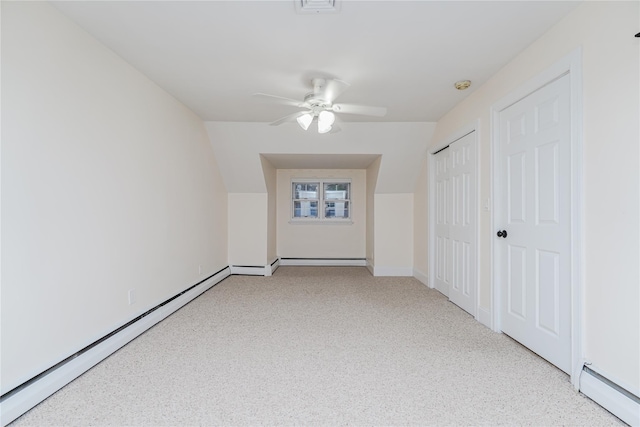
(317, 6)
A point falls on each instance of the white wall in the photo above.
(271, 182)
(108, 184)
(238, 147)
(421, 226)
(326, 240)
(372, 179)
(248, 233)
(393, 235)
(611, 135)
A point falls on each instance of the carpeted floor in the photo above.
(320, 346)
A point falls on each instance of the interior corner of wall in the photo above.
(268, 170)
(372, 174)
(421, 277)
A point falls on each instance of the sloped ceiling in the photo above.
(403, 55)
(239, 147)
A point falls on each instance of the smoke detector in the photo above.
(317, 6)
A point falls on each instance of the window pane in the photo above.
(336, 191)
(305, 209)
(305, 190)
(336, 209)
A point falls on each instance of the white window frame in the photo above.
(321, 219)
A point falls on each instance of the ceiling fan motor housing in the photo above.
(313, 102)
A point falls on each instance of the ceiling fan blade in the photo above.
(332, 89)
(277, 99)
(289, 118)
(363, 110)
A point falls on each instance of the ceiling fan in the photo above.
(319, 105)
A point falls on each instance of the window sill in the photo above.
(320, 222)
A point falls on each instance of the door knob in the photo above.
(502, 233)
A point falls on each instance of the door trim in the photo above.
(571, 64)
(441, 144)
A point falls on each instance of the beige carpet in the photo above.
(320, 346)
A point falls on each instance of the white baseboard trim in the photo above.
(324, 262)
(621, 403)
(18, 402)
(392, 271)
(484, 317)
(422, 277)
(272, 267)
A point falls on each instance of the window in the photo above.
(306, 196)
(321, 200)
(336, 199)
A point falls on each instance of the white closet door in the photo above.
(442, 258)
(535, 212)
(463, 223)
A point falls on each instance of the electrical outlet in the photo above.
(487, 205)
(132, 296)
(199, 269)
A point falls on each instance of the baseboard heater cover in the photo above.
(619, 401)
(274, 265)
(325, 262)
(24, 397)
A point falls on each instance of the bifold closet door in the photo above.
(442, 247)
(463, 223)
(455, 222)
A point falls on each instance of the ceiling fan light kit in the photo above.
(319, 103)
(305, 120)
(325, 121)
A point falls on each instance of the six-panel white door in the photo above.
(535, 212)
(462, 232)
(455, 222)
(442, 249)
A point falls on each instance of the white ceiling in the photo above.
(213, 55)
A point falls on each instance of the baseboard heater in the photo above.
(325, 262)
(267, 270)
(618, 400)
(255, 270)
(27, 395)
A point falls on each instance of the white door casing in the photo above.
(534, 259)
(463, 223)
(442, 259)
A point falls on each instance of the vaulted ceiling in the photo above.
(406, 56)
